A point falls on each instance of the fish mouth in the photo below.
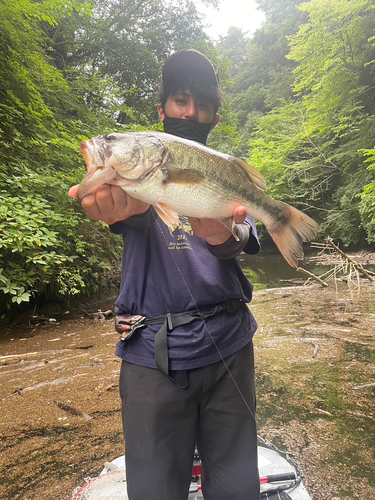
(93, 156)
(97, 173)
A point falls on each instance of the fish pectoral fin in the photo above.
(168, 216)
(256, 177)
(182, 176)
(228, 222)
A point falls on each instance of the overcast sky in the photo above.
(239, 13)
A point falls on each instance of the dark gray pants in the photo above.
(162, 424)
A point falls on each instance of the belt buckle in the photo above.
(137, 324)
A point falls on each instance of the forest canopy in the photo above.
(300, 107)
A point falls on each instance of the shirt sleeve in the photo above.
(248, 242)
(141, 221)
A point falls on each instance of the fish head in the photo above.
(119, 158)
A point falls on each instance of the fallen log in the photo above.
(311, 275)
(30, 354)
(100, 315)
(365, 386)
(47, 382)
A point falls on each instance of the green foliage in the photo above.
(332, 51)
(113, 58)
(47, 247)
(70, 70)
(45, 242)
(300, 107)
(261, 75)
(367, 197)
(305, 99)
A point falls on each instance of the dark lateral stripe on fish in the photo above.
(183, 176)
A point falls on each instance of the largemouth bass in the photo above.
(179, 176)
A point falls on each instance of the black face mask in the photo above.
(187, 129)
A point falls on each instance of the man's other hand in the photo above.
(213, 231)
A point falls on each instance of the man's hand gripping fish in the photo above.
(178, 176)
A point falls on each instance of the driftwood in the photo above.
(54, 382)
(313, 343)
(9, 357)
(70, 409)
(347, 266)
(316, 349)
(360, 268)
(100, 315)
(111, 386)
(361, 415)
(324, 412)
(365, 386)
(311, 275)
(30, 354)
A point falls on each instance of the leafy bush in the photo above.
(48, 247)
(367, 203)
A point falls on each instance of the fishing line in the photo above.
(204, 323)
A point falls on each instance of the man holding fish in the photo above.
(187, 375)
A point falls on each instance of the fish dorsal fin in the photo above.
(182, 176)
(256, 177)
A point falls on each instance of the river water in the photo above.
(315, 352)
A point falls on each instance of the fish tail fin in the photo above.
(288, 235)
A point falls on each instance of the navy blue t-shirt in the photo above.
(178, 272)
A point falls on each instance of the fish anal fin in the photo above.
(182, 176)
(229, 224)
(168, 216)
(256, 177)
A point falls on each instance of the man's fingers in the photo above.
(104, 199)
(90, 206)
(73, 191)
(99, 205)
(240, 215)
(119, 196)
(122, 327)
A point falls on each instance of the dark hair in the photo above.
(198, 87)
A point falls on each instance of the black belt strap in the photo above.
(170, 321)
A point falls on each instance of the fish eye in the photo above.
(110, 138)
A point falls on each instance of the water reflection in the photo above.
(270, 270)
